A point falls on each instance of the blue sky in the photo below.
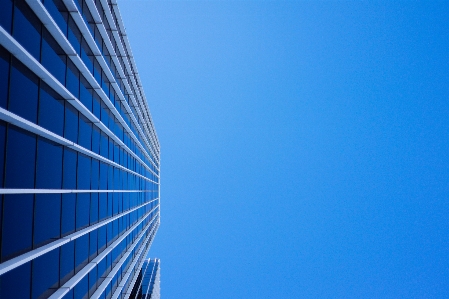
(305, 146)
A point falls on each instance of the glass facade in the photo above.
(148, 283)
(79, 155)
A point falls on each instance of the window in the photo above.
(17, 224)
(16, 283)
(93, 208)
(2, 150)
(47, 218)
(68, 213)
(85, 132)
(45, 278)
(71, 123)
(54, 58)
(20, 158)
(81, 252)
(23, 91)
(73, 79)
(69, 168)
(86, 93)
(58, 12)
(4, 71)
(27, 28)
(67, 266)
(51, 110)
(82, 210)
(84, 172)
(49, 165)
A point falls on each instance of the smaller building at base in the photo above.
(148, 283)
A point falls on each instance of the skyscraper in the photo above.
(79, 155)
(148, 284)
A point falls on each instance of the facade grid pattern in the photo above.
(79, 155)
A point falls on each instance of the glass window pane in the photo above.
(84, 172)
(81, 289)
(71, 123)
(58, 12)
(4, 72)
(85, 132)
(86, 93)
(20, 158)
(74, 35)
(93, 208)
(103, 176)
(16, 283)
(96, 140)
(23, 91)
(27, 28)
(93, 245)
(67, 268)
(69, 168)
(81, 252)
(73, 79)
(45, 274)
(68, 213)
(47, 218)
(2, 150)
(49, 165)
(103, 201)
(51, 110)
(82, 210)
(17, 224)
(54, 58)
(95, 174)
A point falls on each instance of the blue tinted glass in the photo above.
(23, 92)
(71, 123)
(45, 274)
(85, 132)
(73, 79)
(51, 110)
(86, 93)
(82, 210)
(92, 281)
(16, 283)
(20, 158)
(104, 114)
(97, 71)
(110, 177)
(47, 218)
(2, 150)
(58, 12)
(53, 57)
(110, 200)
(101, 238)
(74, 35)
(84, 172)
(68, 213)
(96, 140)
(6, 14)
(87, 56)
(69, 295)
(4, 72)
(69, 169)
(81, 252)
(80, 290)
(96, 106)
(93, 208)
(104, 145)
(49, 165)
(93, 244)
(27, 28)
(117, 183)
(95, 174)
(103, 176)
(17, 224)
(103, 200)
(67, 268)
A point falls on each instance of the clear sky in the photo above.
(305, 146)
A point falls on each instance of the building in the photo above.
(79, 155)
(148, 283)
